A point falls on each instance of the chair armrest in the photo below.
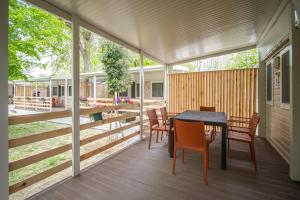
(236, 117)
(239, 121)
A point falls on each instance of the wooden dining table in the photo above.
(208, 118)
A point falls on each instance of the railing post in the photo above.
(66, 94)
(36, 96)
(4, 186)
(24, 95)
(75, 98)
(95, 89)
(141, 95)
(50, 93)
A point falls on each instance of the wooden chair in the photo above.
(214, 129)
(243, 130)
(165, 118)
(155, 125)
(191, 136)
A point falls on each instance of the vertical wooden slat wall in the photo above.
(230, 91)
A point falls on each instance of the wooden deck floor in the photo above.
(139, 173)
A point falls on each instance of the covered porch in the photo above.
(137, 173)
(172, 33)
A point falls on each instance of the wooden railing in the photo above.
(38, 103)
(230, 91)
(23, 119)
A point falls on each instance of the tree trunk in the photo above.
(85, 50)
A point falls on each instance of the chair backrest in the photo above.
(164, 114)
(209, 109)
(189, 134)
(253, 123)
(153, 119)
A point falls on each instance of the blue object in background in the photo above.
(98, 116)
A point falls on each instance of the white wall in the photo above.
(295, 88)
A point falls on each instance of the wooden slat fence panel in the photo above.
(230, 91)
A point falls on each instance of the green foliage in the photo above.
(135, 61)
(36, 39)
(116, 64)
(244, 59)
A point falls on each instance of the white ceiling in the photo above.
(176, 30)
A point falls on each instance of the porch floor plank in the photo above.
(139, 173)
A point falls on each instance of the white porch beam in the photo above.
(75, 98)
(141, 95)
(4, 187)
(215, 54)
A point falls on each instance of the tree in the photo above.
(135, 60)
(116, 64)
(36, 39)
(244, 59)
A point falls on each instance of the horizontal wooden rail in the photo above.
(53, 152)
(23, 119)
(38, 137)
(108, 146)
(36, 178)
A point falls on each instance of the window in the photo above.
(269, 82)
(124, 94)
(137, 90)
(158, 89)
(285, 78)
(70, 90)
(54, 91)
(61, 91)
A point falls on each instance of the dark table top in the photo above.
(209, 118)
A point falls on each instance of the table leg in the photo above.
(224, 140)
(171, 139)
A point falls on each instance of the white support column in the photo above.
(95, 89)
(4, 187)
(24, 94)
(66, 94)
(36, 95)
(75, 98)
(141, 94)
(166, 83)
(14, 94)
(50, 93)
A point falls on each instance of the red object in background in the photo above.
(53, 101)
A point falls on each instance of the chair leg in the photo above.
(182, 156)
(208, 156)
(162, 134)
(205, 168)
(174, 160)
(150, 138)
(251, 152)
(157, 133)
(254, 156)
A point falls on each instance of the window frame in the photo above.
(285, 105)
(270, 102)
(137, 91)
(152, 89)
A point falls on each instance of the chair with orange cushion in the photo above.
(244, 132)
(155, 125)
(191, 136)
(210, 109)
